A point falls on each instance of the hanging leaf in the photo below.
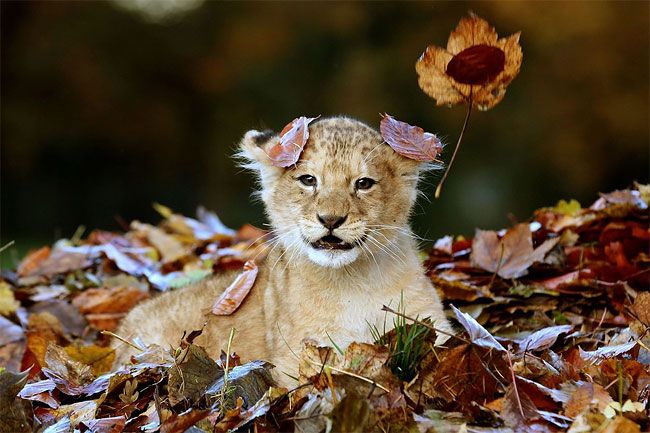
(475, 66)
(410, 141)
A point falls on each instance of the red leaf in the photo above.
(477, 64)
(410, 141)
(235, 294)
(293, 138)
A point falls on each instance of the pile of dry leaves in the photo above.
(553, 321)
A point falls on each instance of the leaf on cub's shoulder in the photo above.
(235, 294)
(408, 140)
(293, 138)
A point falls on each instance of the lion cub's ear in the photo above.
(253, 154)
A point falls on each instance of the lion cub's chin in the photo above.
(332, 258)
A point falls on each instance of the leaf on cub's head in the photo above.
(410, 141)
(235, 294)
(476, 66)
(292, 141)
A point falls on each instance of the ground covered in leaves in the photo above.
(552, 318)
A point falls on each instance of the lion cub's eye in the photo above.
(307, 180)
(364, 183)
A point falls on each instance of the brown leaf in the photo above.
(476, 65)
(293, 138)
(32, 261)
(641, 307)
(465, 374)
(510, 256)
(58, 261)
(170, 248)
(409, 141)
(235, 294)
(118, 299)
(189, 379)
(519, 411)
(586, 396)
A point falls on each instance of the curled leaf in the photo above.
(293, 138)
(408, 140)
(235, 294)
(475, 67)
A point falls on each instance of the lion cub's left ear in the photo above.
(254, 154)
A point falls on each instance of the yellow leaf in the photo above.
(8, 303)
(100, 359)
(569, 208)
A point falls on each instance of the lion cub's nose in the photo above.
(331, 222)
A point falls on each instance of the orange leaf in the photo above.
(293, 138)
(33, 261)
(476, 65)
(409, 141)
(235, 294)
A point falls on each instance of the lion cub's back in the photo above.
(163, 319)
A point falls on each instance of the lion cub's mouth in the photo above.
(331, 242)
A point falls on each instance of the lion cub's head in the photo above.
(348, 197)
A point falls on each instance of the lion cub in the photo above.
(342, 249)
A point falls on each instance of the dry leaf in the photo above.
(100, 359)
(477, 334)
(167, 245)
(32, 261)
(476, 65)
(641, 307)
(8, 303)
(410, 141)
(510, 256)
(292, 141)
(542, 339)
(235, 294)
(586, 396)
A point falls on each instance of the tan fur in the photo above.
(300, 292)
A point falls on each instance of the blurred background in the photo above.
(109, 106)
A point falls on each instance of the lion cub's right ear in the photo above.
(253, 153)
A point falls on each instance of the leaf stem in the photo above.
(460, 139)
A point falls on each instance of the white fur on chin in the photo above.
(332, 258)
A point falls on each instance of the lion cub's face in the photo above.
(347, 198)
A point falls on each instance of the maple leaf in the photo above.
(410, 141)
(510, 256)
(475, 68)
(293, 138)
(234, 295)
